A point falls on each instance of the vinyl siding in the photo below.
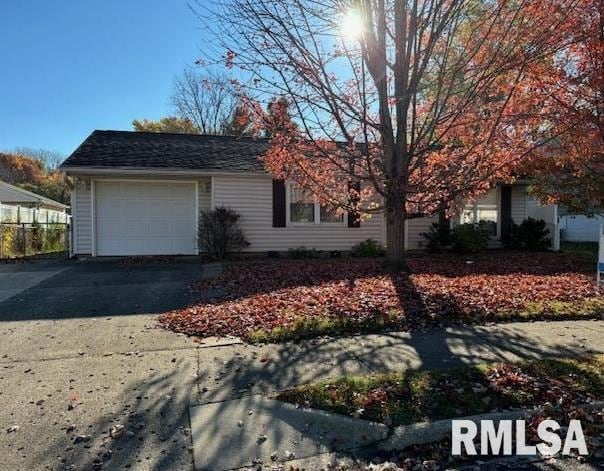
(82, 217)
(579, 228)
(205, 193)
(251, 197)
(415, 228)
(519, 196)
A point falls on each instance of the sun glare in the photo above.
(352, 24)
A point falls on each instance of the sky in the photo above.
(71, 66)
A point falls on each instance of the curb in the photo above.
(422, 433)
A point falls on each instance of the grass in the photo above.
(589, 308)
(311, 327)
(415, 396)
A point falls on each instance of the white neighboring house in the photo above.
(139, 193)
(21, 206)
(580, 228)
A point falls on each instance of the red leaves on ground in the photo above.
(280, 294)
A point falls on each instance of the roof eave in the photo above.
(125, 170)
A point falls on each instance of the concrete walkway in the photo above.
(66, 382)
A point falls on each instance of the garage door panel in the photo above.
(145, 218)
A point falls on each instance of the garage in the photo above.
(134, 217)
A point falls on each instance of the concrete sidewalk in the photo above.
(66, 382)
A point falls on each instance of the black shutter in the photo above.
(506, 214)
(278, 203)
(354, 217)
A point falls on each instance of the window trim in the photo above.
(316, 211)
(474, 208)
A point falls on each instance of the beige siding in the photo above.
(519, 196)
(205, 194)
(252, 198)
(415, 228)
(82, 217)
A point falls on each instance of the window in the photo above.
(304, 210)
(483, 211)
(301, 206)
(330, 215)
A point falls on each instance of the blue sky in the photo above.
(71, 66)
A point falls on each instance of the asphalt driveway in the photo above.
(61, 289)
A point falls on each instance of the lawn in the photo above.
(416, 396)
(291, 299)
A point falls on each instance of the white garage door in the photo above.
(145, 218)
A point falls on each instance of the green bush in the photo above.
(470, 238)
(531, 234)
(54, 238)
(439, 237)
(368, 248)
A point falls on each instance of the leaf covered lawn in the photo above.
(274, 301)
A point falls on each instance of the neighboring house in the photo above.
(580, 228)
(22, 206)
(142, 193)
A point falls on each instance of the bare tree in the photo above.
(49, 158)
(208, 100)
(420, 94)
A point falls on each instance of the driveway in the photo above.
(62, 289)
(81, 352)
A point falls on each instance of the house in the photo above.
(580, 227)
(21, 206)
(141, 194)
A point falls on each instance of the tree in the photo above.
(570, 171)
(169, 124)
(34, 173)
(49, 158)
(277, 118)
(207, 100)
(242, 123)
(16, 169)
(55, 185)
(417, 101)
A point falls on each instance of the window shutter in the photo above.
(278, 203)
(354, 217)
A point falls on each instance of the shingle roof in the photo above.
(13, 194)
(107, 149)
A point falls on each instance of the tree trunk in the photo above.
(395, 235)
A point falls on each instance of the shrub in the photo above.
(531, 234)
(54, 238)
(9, 241)
(470, 238)
(220, 232)
(303, 253)
(439, 237)
(368, 248)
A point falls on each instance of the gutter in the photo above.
(96, 170)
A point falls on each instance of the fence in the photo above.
(23, 214)
(33, 239)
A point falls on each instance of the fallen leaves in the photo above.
(359, 293)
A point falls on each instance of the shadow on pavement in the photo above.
(105, 288)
